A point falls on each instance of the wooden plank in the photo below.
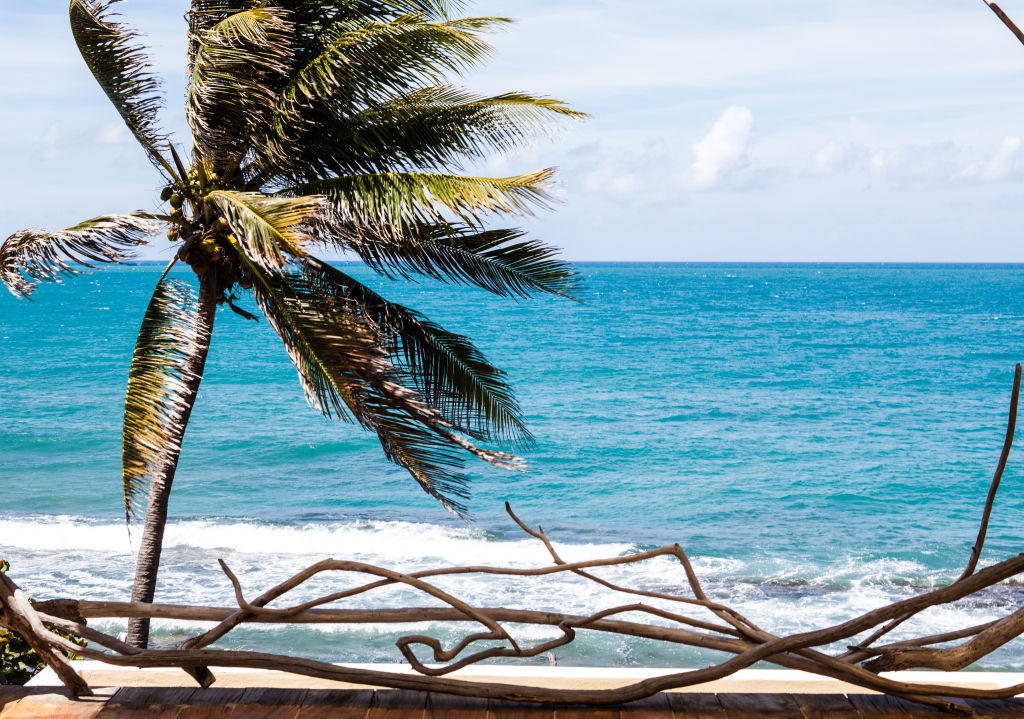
(268, 703)
(879, 706)
(11, 695)
(398, 704)
(146, 703)
(760, 706)
(147, 712)
(692, 705)
(498, 709)
(212, 703)
(215, 697)
(998, 708)
(55, 705)
(585, 712)
(827, 706)
(336, 704)
(654, 707)
(140, 697)
(450, 706)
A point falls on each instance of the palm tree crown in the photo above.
(317, 124)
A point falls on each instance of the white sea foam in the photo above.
(70, 556)
(383, 540)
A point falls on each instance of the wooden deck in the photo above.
(253, 703)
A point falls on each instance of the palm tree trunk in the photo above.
(148, 562)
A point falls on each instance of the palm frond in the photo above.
(499, 261)
(448, 371)
(153, 406)
(203, 15)
(345, 373)
(267, 227)
(442, 126)
(329, 13)
(33, 256)
(232, 91)
(364, 64)
(394, 199)
(437, 127)
(121, 66)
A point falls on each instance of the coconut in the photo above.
(165, 194)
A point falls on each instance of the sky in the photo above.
(720, 130)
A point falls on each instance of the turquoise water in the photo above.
(819, 438)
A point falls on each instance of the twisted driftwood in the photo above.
(723, 629)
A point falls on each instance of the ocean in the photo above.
(818, 438)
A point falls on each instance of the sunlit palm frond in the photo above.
(203, 15)
(397, 199)
(373, 61)
(345, 373)
(154, 409)
(269, 228)
(499, 261)
(121, 66)
(446, 368)
(232, 91)
(33, 256)
(438, 127)
(443, 126)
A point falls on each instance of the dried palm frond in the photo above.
(121, 66)
(31, 256)
(154, 405)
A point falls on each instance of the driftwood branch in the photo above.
(16, 613)
(1010, 24)
(725, 630)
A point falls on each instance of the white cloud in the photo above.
(723, 151)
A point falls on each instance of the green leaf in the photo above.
(239, 64)
(345, 372)
(446, 368)
(438, 127)
(369, 62)
(498, 261)
(397, 199)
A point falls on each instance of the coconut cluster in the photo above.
(204, 232)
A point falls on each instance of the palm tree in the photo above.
(316, 124)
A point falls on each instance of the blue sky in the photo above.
(732, 130)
